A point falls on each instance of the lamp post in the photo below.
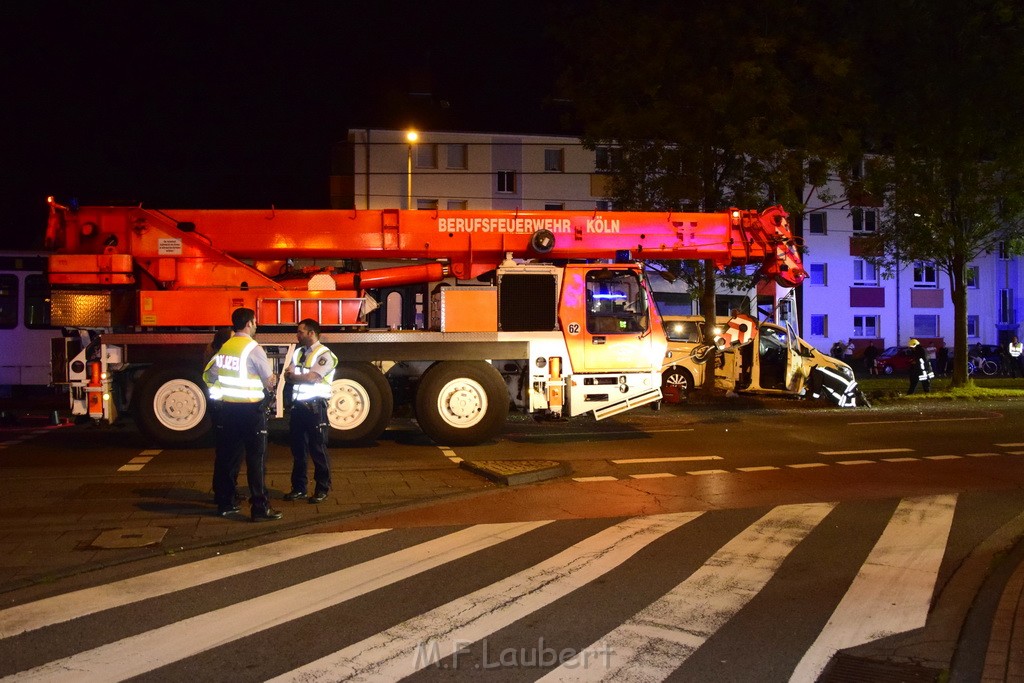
(411, 137)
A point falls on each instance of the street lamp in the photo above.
(411, 136)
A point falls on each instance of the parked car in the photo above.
(894, 359)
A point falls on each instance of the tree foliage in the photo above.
(946, 79)
(710, 104)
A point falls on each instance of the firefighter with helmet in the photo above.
(921, 370)
(239, 377)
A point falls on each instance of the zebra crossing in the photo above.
(641, 598)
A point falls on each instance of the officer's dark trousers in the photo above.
(241, 428)
(307, 430)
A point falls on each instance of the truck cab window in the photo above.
(616, 303)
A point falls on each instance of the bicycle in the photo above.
(983, 365)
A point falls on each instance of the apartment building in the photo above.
(844, 298)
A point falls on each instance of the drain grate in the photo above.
(849, 669)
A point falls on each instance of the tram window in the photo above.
(37, 302)
(8, 301)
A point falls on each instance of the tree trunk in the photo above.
(707, 305)
(958, 292)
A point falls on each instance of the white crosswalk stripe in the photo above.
(659, 630)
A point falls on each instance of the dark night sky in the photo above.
(236, 105)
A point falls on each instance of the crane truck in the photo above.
(545, 311)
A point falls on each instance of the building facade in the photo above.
(845, 298)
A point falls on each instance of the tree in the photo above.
(946, 78)
(709, 104)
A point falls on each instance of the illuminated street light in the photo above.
(411, 136)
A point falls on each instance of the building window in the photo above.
(1006, 307)
(818, 222)
(458, 204)
(864, 220)
(554, 207)
(554, 160)
(971, 277)
(926, 326)
(973, 326)
(506, 181)
(426, 205)
(819, 274)
(603, 205)
(1004, 251)
(607, 158)
(865, 274)
(865, 326)
(458, 156)
(819, 325)
(925, 275)
(426, 155)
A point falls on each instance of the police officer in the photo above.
(237, 376)
(921, 370)
(312, 371)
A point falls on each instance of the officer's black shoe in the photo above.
(265, 514)
(318, 497)
(227, 511)
(295, 495)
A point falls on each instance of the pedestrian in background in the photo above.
(1016, 351)
(239, 376)
(870, 354)
(310, 377)
(921, 370)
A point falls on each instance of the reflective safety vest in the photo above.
(324, 361)
(1016, 349)
(234, 383)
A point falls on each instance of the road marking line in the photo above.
(586, 479)
(61, 608)
(943, 457)
(855, 462)
(450, 454)
(893, 590)
(392, 653)
(763, 468)
(702, 472)
(868, 451)
(1009, 445)
(981, 455)
(130, 468)
(804, 465)
(656, 475)
(154, 451)
(1015, 452)
(144, 652)
(139, 460)
(692, 458)
(900, 460)
(934, 419)
(652, 644)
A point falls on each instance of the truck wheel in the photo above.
(360, 405)
(676, 384)
(461, 403)
(170, 407)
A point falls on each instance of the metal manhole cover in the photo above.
(130, 538)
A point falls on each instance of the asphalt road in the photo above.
(764, 533)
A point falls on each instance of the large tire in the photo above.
(170, 405)
(461, 403)
(676, 384)
(361, 403)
